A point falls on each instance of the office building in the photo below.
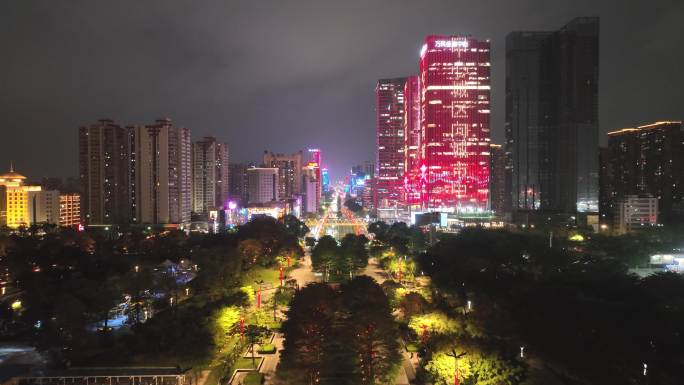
(210, 176)
(162, 173)
(104, 153)
(497, 180)
(552, 118)
(411, 179)
(262, 185)
(454, 146)
(69, 210)
(389, 108)
(289, 172)
(647, 160)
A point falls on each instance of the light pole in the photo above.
(456, 357)
(258, 296)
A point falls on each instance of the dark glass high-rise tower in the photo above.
(390, 105)
(552, 118)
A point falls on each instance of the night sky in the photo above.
(286, 75)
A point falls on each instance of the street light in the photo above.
(456, 357)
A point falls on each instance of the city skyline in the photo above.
(227, 83)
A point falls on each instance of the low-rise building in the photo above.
(635, 212)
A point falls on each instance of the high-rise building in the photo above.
(326, 180)
(262, 185)
(315, 165)
(604, 187)
(162, 173)
(43, 206)
(104, 152)
(237, 186)
(647, 160)
(369, 168)
(16, 200)
(69, 210)
(289, 172)
(454, 143)
(411, 182)
(389, 108)
(310, 201)
(552, 118)
(210, 175)
(497, 180)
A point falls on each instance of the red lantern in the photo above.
(258, 298)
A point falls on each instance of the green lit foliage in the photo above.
(434, 323)
(249, 294)
(474, 367)
(442, 368)
(226, 320)
(341, 260)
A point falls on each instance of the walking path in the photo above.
(304, 275)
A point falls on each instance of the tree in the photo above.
(294, 226)
(340, 337)
(370, 326)
(310, 241)
(353, 206)
(308, 332)
(353, 252)
(379, 230)
(325, 253)
(254, 334)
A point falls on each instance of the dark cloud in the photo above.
(285, 75)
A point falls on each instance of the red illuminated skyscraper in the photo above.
(389, 188)
(454, 143)
(412, 141)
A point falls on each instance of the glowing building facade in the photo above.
(412, 186)
(312, 184)
(14, 200)
(69, 210)
(454, 113)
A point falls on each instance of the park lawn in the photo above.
(412, 347)
(267, 349)
(246, 363)
(269, 275)
(253, 379)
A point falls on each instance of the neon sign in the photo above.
(451, 44)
